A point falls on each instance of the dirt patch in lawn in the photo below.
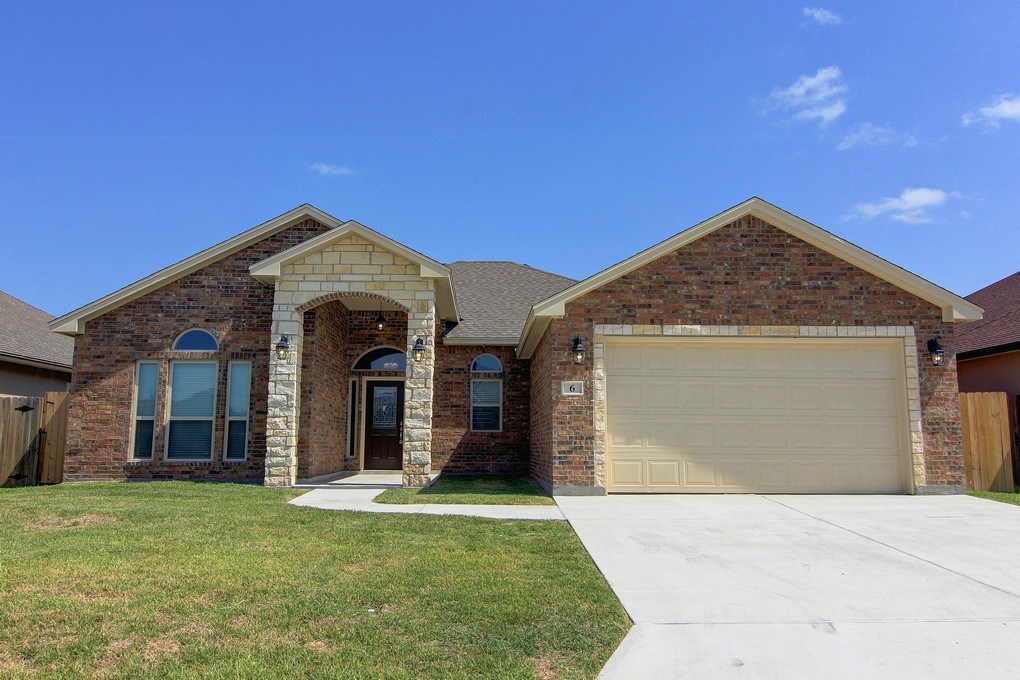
(53, 523)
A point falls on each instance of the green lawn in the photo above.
(472, 490)
(178, 579)
(1012, 498)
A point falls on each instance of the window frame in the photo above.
(169, 407)
(395, 350)
(134, 412)
(246, 418)
(471, 399)
(216, 342)
(352, 418)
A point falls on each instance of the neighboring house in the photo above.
(33, 360)
(988, 351)
(754, 352)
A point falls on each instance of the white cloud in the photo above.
(1006, 107)
(330, 169)
(823, 16)
(911, 206)
(868, 134)
(814, 97)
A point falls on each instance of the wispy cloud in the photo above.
(330, 169)
(822, 16)
(910, 207)
(814, 97)
(1005, 107)
(868, 134)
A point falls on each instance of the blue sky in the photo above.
(567, 136)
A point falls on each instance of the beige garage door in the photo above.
(755, 415)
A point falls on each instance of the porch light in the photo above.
(418, 352)
(282, 347)
(578, 350)
(935, 351)
(380, 322)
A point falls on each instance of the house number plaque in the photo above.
(572, 388)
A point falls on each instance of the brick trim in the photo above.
(905, 333)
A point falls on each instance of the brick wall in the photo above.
(222, 298)
(322, 437)
(746, 273)
(455, 448)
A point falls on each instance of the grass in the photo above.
(472, 490)
(182, 580)
(1001, 496)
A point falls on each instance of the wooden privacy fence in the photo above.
(33, 432)
(989, 423)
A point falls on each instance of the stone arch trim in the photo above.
(342, 295)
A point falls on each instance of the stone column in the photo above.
(421, 323)
(284, 394)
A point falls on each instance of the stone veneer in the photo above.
(351, 268)
(905, 333)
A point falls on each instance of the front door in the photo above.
(384, 413)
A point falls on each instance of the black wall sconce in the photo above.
(282, 347)
(578, 350)
(935, 352)
(418, 351)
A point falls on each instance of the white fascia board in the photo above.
(954, 307)
(534, 329)
(501, 341)
(73, 323)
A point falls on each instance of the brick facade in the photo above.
(455, 448)
(222, 298)
(748, 273)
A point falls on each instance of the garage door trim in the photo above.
(912, 443)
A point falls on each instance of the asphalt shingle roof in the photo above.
(24, 335)
(494, 298)
(1001, 323)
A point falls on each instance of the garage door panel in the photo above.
(626, 473)
(703, 415)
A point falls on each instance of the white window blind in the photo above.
(192, 407)
(238, 394)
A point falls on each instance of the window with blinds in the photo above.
(192, 410)
(486, 405)
(238, 395)
(146, 383)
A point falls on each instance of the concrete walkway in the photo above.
(809, 586)
(360, 500)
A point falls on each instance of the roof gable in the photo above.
(954, 308)
(73, 323)
(270, 269)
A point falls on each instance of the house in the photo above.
(753, 352)
(988, 351)
(33, 360)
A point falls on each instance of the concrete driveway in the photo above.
(809, 586)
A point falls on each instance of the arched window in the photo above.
(486, 363)
(195, 340)
(486, 395)
(382, 359)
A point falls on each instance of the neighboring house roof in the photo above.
(954, 308)
(999, 330)
(494, 299)
(268, 270)
(26, 338)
